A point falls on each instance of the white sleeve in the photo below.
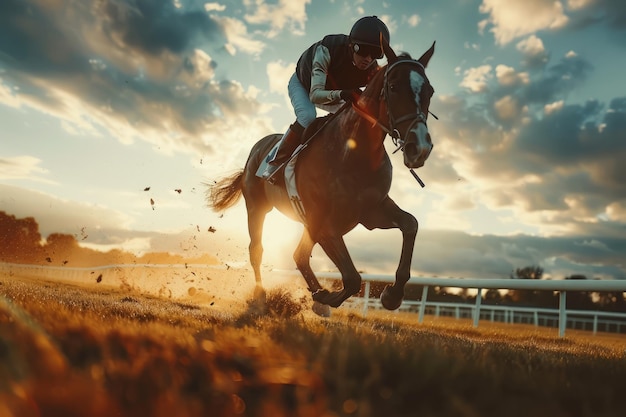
(319, 72)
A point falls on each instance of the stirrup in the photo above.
(269, 174)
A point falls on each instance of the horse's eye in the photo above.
(392, 87)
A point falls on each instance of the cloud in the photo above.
(508, 77)
(608, 13)
(476, 79)
(534, 52)
(285, 14)
(210, 7)
(22, 167)
(512, 19)
(507, 108)
(278, 74)
(139, 70)
(494, 256)
(414, 20)
(239, 39)
(56, 215)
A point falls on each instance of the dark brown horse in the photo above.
(343, 178)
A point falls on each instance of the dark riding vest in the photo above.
(342, 74)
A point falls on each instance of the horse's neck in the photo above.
(366, 139)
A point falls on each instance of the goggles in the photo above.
(368, 50)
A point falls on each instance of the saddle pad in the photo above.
(292, 190)
(265, 162)
(290, 179)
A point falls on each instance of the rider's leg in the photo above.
(305, 114)
(288, 143)
(303, 107)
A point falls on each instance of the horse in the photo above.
(343, 178)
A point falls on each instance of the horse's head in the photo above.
(407, 94)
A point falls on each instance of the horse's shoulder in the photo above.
(315, 126)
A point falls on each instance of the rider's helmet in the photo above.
(365, 36)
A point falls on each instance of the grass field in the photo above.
(88, 350)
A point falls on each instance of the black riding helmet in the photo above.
(365, 36)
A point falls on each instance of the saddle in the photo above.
(271, 173)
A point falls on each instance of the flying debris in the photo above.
(212, 229)
(99, 279)
(147, 189)
(178, 190)
(152, 203)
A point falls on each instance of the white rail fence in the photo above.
(478, 310)
(539, 316)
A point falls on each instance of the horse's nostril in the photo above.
(410, 149)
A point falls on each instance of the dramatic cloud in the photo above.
(141, 70)
(510, 20)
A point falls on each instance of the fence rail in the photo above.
(598, 320)
(478, 310)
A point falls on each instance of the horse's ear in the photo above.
(427, 55)
(389, 53)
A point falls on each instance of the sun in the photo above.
(280, 238)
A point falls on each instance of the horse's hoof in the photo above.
(320, 295)
(320, 309)
(390, 300)
(258, 304)
(259, 294)
(333, 299)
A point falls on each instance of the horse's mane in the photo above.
(374, 86)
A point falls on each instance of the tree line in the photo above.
(21, 242)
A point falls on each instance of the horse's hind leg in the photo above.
(256, 218)
(302, 256)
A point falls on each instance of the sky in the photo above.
(108, 105)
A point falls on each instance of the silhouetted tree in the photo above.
(531, 297)
(20, 240)
(528, 272)
(492, 296)
(612, 301)
(579, 300)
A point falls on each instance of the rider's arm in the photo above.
(319, 72)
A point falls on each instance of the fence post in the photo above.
(366, 298)
(423, 304)
(479, 297)
(562, 313)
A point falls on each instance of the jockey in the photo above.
(328, 73)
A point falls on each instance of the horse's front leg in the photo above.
(388, 216)
(335, 248)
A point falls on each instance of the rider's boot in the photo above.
(288, 143)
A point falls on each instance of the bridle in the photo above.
(392, 130)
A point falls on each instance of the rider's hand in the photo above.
(350, 95)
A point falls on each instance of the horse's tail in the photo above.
(226, 192)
